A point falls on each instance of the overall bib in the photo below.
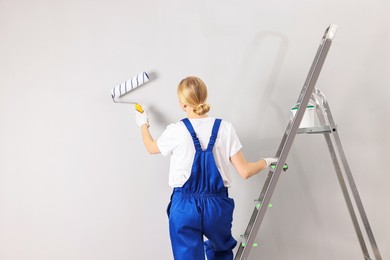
(201, 207)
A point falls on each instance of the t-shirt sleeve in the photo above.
(168, 140)
(235, 144)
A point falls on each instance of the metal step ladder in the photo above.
(329, 130)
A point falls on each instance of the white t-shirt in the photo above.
(176, 141)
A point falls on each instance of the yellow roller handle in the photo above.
(138, 107)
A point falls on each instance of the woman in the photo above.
(201, 149)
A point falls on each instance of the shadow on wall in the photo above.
(159, 118)
(263, 68)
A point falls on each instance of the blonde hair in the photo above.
(192, 91)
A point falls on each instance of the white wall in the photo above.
(75, 180)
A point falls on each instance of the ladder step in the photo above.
(316, 130)
(244, 241)
(273, 166)
(243, 244)
(258, 205)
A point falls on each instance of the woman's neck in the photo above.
(192, 115)
(190, 112)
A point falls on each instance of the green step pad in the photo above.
(285, 167)
(243, 244)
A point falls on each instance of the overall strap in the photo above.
(188, 124)
(214, 134)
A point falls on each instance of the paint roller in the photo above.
(127, 86)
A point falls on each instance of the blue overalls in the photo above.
(201, 207)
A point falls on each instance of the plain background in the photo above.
(75, 180)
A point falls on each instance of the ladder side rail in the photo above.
(307, 90)
(352, 184)
(248, 230)
(324, 120)
(258, 215)
(284, 148)
(347, 197)
(269, 185)
(310, 79)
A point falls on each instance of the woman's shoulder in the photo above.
(176, 128)
(226, 124)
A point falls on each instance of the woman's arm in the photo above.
(149, 142)
(142, 120)
(247, 169)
